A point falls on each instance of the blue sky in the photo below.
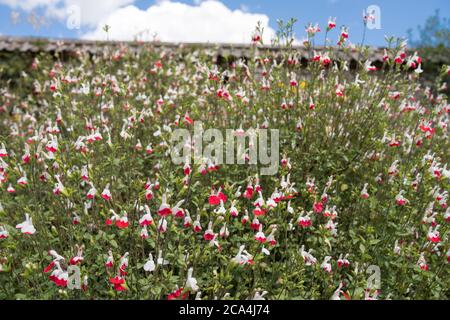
(397, 16)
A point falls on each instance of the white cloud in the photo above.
(28, 4)
(209, 21)
(203, 21)
(92, 11)
(244, 8)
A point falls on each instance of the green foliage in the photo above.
(338, 127)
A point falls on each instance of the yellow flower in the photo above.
(303, 85)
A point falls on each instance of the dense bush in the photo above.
(363, 178)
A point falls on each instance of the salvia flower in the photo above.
(364, 193)
(118, 282)
(59, 276)
(331, 23)
(224, 232)
(197, 226)
(215, 198)
(433, 235)
(259, 236)
(146, 219)
(271, 237)
(162, 225)
(56, 258)
(164, 209)
(308, 258)
(3, 232)
(233, 210)
(106, 193)
(326, 265)
(400, 199)
(422, 263)
(209, 233)
(92, 192)
(3, 152)
(123, 264)
(259, 296)
(187, 222)
(343, 261)
(305, 220)
(79, 257)
(122, 222)
(144, 232)
(337, 293)
(149, 266)
(161, 261)
(243, 257)
(191, 282)
(27, 226)
(110, 260)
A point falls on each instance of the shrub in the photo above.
(363, 178)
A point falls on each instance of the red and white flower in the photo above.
(92, 192)
(162, 225)
(146, 219)
(110, 260)
(331, 24)
(122, 222)
(59, 276)
(326, 265)
(343, 261)
(106, 193)
(260, 237)
(215, 198)
(79, 257)
(84, 173)
(364, 193)
(422, 263)
(308, 258)
(144, 233)
(3, 152)
(271, 237)
(338, 292)
(400, 199)
(433, 235)
(187, 222)
(149, 149)
(10, 189)
(197, 226)
(209, 233)
(224, 232)
(305, 220)
(234, 212)
(369, 67)
(118, 282)
(123, 264)
(59, 187)
(3, 232)
(164, 209)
